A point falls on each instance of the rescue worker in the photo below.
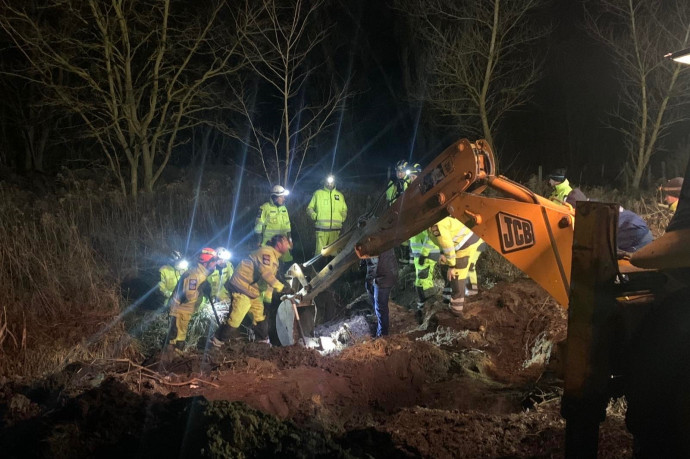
(273, 219)
(671, 192)
(398, 185)
(472, 282)
(328, 211)
(563, 193)
(251, 285)
(425, 256)
(458, 245)
(170, 275)
(190, 290)
(220, 276)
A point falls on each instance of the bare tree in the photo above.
(638, 33)
(480, 57)
(137, 73)
(283, 54)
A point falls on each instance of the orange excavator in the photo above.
(610, 299)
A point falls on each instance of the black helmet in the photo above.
(557, 175)
(401, 165)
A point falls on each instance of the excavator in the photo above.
(628, 331)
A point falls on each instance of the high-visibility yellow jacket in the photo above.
(560, 192)
(272, 220)
(190, 289)
(217, 280)
(169, 278)
(395, 188)
(451, 235)
(327, 209)
(420, 244)
(257, 273)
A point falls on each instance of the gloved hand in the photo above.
(453, 274)
(422, 260)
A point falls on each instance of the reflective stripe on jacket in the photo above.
(188, 293)
(420, 244)
(272, 220)
(451, 235)
(327, 209)
(257, 273)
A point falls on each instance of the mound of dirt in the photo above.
(471, 386)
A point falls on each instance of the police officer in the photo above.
(252, 284)
(328, 211)
(273, 219)
(185, 301)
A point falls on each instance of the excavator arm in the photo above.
(530, 231)
(533, 233)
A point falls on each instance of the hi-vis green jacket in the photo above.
(560, 192)
(257, 273)
(395, 188)
(327, 209)
(272, 220)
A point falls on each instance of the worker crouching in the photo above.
(253, 283)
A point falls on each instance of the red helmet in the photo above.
(207, 254)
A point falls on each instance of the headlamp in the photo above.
(224, 254)
(182, 265)
(330, 179)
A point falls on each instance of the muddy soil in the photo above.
(481, 385)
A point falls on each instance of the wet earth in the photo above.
(481, 385)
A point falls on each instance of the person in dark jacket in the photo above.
(382, 274)
(633, 232)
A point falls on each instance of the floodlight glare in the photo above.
(182, 265)
(330, 179)
(682, 56)
(224, 254)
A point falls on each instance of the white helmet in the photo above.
(279, 191)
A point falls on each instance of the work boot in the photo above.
(419, 313)
(261, 332)
(471, 291)
(224, 334)
(457, 305)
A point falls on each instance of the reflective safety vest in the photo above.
(451, 235)
(257, 273)
(189, 290)
(327, 209)
(395, 188)
(560, 192)
(420, 244)
(272, 220)
(217, 280)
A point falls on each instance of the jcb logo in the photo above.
(515, 233)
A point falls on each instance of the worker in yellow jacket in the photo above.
(273, 219)
(425, 256)
(186, 298)
(170, 274)
(252, 284)
(220, 276)
(328, 211)
(458, 245)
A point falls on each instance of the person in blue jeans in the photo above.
(382, 274)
